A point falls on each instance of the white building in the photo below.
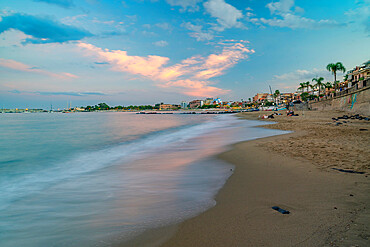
(183, 105)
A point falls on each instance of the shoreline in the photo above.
(328, 208)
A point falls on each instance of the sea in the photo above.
(98, 178)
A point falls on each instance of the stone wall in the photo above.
(355, 102)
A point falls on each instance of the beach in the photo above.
(293, 171)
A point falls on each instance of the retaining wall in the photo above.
(355, 102)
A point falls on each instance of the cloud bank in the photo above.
(190, 76)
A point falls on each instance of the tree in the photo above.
(304, 96)
(328, 85)
(307, 85)
(302, 86)
(334, 67)
(319, 83)
(276, 95)
(335, 84)
(267, 103)
(103, 106)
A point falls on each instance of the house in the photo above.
(262, 97)
(196, 103)
(359, 77)
(183, 105)
(166, 107)
(285, 98)
(208, 101)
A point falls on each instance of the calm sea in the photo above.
(90, 179)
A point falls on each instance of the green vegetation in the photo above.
(306, 96)
(334, 67)
(301, 86)
(106, 107)
(307, 85)
(319, 83)
(328, 85)
(208, 106)
(268, 103)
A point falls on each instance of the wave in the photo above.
(16, 187)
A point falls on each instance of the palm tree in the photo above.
(334, 67)
(319, 83)
(301, 86)
(328, 85)
(307, 85)
(276, 95)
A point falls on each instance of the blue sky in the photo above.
(150, 51)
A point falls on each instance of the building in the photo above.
(183, 105)
(359, 77)
(260, 97)
(237, 104)
(196, 103)
(217, 101)
(285, 98)
(208, 101)
(166, 107)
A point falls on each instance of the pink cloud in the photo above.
(196, 88)
(12, 64)
(190, 76)
(149, 66)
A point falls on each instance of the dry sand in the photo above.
(293, 171)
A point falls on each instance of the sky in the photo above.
(151, 51)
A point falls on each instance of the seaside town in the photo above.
(315, 90)
(184, 123)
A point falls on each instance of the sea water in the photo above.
(92, 179)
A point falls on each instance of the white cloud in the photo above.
(294, 22)
(191, 5)
(161, 43)
(301, 75)
(360, 15)
(290, 81)
(227, 15)
(198, 32)
(282, 6)
(163, 25)
(286, 14)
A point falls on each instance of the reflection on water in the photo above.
(163, 172)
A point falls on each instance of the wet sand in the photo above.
(294, 172)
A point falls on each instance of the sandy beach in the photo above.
(293, 171)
